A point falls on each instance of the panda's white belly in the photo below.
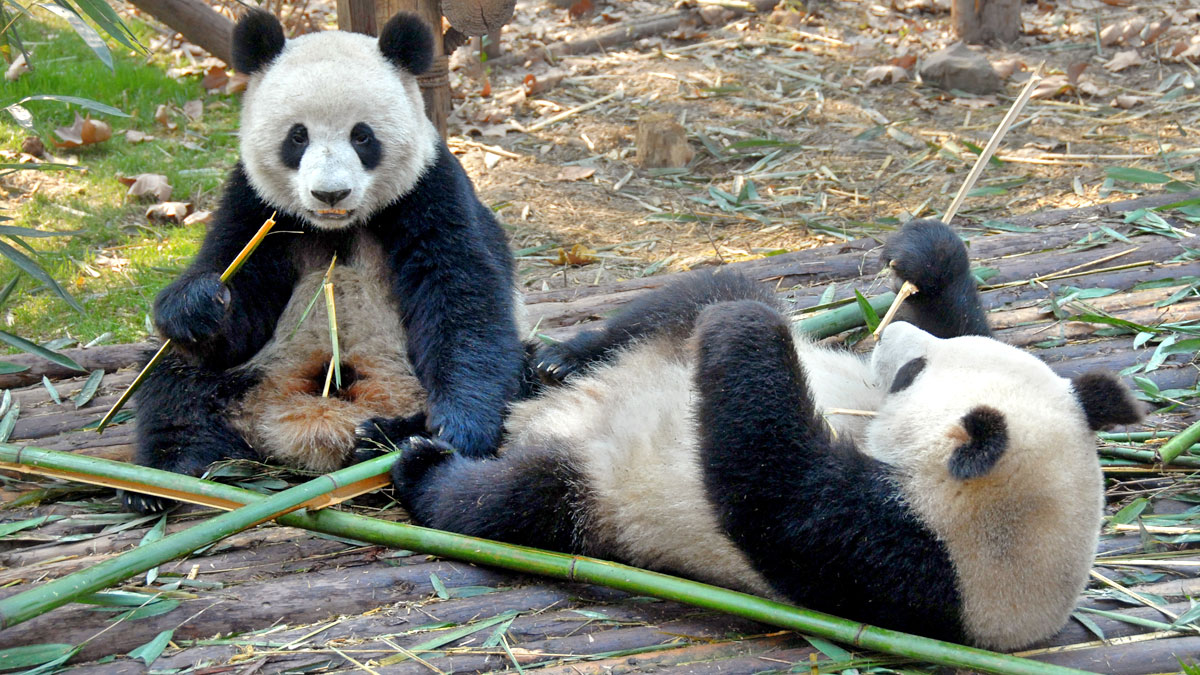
(630, 430)
(286, 415)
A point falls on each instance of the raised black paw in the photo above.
(192, 310)
(554, 363)
(929, 254)
(381, 435)
(145, 504)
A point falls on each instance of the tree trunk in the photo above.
(198, 23)
(979, 21)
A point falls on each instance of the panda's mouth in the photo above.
(334, 214)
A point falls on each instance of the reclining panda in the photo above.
(689, 437)
(334, 138)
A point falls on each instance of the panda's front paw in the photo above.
(380, 435)
(145, 504)
(191, 311)
(929, 254)
(418, 455)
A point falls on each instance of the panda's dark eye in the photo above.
(907, 374)
(298, 134)
(369, 149)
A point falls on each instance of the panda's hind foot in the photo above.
(418, 455)
(381, 435)
(554, 363)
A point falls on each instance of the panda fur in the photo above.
(690, 437)
(334, 138)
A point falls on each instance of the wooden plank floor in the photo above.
(278, 599)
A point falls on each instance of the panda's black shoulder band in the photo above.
(407, 42)
(257, 40)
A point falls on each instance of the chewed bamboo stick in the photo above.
(166, 345)
(908, 288)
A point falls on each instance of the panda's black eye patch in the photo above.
(907, 374)
(369, 149)
(294, 146)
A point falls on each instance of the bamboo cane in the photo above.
(1185, 439)
(507, 556)
(43, 598)
(166, 345)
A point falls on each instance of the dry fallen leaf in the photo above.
(905, 61)
(199, 217)
(1155, 30)
(237, 83)
(578, 255)
(537, 84)
(194, 109)
(573, 173)
(1075, 70)
(885, 74)
(1051, 87)
(579, 8)
(1123, 60)
(1125, 101)
(153, 184)
(162, 115)
(135, 136)
(84, 131)
(169, 212)
(1090, 88)
(214, 78)
(18, 68)
(32, 145)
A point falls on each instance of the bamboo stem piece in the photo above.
(1149, 457)
(166, 345)
(45, 597)
(907, 288)
(843, 318)
(534, 561)
(1185, 439)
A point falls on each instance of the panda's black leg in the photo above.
(934, 259)
(527, 496)
(183, 424)
(670, 310)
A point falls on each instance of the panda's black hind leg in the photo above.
(669, 311)
(931, 256)
(381, 435)
(182, 424)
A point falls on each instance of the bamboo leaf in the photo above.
(868, 312)
(7, 368)
(53, 392)
(89, 388)
(1190, 616)
(10, 528)
(827, 294)
(34, 655)
(1089, 624)
(152, 609)
(9, 421)
(152, 535)
(438, 586)
(119, 599)
(85, 32)
(13, 230)
(1132, 175)
(38, 350)
(35, 270)
(76, 100)
(104, 16)
(1130, 512)
(829, 649)
(153, 649)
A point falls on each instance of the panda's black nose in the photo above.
(331, 197)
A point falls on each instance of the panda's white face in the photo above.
(332, 132)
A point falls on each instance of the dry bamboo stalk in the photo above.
(908, 288)
(162, 351)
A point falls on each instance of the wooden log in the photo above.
(980, 21)
(1136, 658)
(777, 647)
(478, 17)
(107, 358)
(196, 21)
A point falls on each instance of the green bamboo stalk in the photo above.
(1181, 442)
(1148, 456)
(534, 561)
(43, 598)
(843, 318)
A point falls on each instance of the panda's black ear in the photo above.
(407, 42)
(1106, 400)
(257, 40)
(987, 438)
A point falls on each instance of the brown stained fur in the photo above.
(284, 416)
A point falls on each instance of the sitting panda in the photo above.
(334, 138)
(691, 437)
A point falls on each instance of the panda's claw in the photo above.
(146, 504)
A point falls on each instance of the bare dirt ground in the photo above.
(795, 142)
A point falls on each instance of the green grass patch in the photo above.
(119, 260)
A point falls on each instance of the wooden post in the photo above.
(435, 84)
(978, 21)
(357, 16)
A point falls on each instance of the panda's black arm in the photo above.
(818, 519)
(221, 325)
(930, 255)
